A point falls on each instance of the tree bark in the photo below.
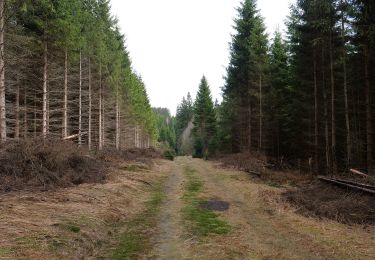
(333, 108)
(3, 128)
(25, 125)
(45, 90)
(326, 128)
(249, 121)
(80, 101)
(369, 137)
(117, 118)
(100, 109)
(316, 118)
(17, 117)
(260, 113)
(347, 119)
(90, 106)
(65, 109)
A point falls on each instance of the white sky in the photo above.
(172, 43)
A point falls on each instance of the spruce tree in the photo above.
(204, 121)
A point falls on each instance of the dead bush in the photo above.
(46, 164)
(133, 154)
(258, 164)
(326, 201)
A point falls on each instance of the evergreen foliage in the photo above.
(76, 44)
(204, 121)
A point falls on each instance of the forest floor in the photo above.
(187, 209)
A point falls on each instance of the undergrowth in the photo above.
(204, 221)
(135, 240)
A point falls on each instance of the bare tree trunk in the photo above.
(3, 127)
(347, 120)
(100, 110)
(45, 90)
(316, 118)
(90, 106)
(65, 109)
(117, 119)
(17, 123)
(333, 108)
(135, 136)
(35, 117)
(249, 121)
(260, 113)
(103, 123)
(80, 101)
(25, 125)
(369, 132)
(326, 128)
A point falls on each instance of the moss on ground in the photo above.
(202, 222)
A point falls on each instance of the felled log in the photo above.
(346, 185)
(358, 173)
(74, 136)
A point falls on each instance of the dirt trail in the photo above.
(168, 242)
(266, 228)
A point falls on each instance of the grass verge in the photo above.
(203, 221)
(135, 240)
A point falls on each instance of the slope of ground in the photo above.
(77, 222)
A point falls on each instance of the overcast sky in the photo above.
(172, 43)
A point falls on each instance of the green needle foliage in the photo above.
(204, 122)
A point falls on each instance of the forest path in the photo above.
(168, 243)
(262, 226)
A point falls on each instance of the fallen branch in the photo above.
(346, 185)
(74, 136)
(359, 173)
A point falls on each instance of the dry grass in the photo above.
(326, 201)
(266, 227)
(254, 163)
(308, 196)
(76, 222)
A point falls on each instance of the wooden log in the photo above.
(367, 186)
(74, 136)
(346, 185)
(358, 173)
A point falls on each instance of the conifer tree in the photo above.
(204, 121)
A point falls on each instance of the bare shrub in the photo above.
(46, 164)
(326, 201)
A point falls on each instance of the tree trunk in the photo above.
(135, 136)
(369, 137)
(117, 119)
(316, 118)
(347, 120)
(45, 91)
(90, 106)
(35, 117)
(249, 121)
(260, 114)
(65, 109)
(333, 108)
(17, 123)
(100, 109)
(326, 128)
(25, 125)
(80, 101)
(3, 127)
(103, 123)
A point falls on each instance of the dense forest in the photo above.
(66, 74)
(305, 97)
